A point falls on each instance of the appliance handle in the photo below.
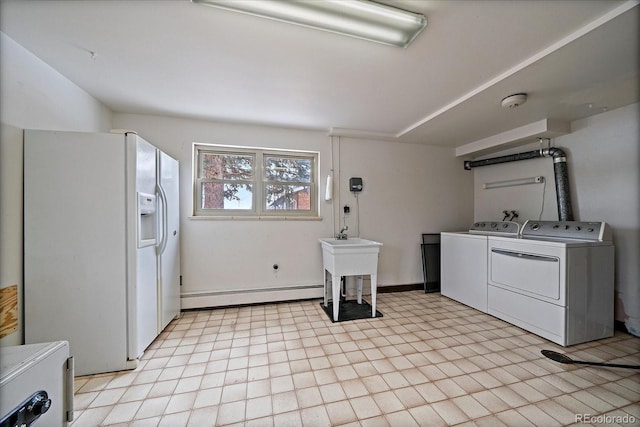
(163, 242)
(69, 389)
(524, 256)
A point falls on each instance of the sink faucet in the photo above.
(342, 235)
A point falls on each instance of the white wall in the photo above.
(32, 95)
(409, 189)
(603, 154)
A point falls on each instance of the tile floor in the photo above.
(429, 361)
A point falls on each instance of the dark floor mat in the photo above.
(350, 310)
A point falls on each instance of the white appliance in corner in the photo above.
(101, 255)
(36, 385)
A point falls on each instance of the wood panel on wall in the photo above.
(8, 310)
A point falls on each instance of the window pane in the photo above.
(288, 197)
(226, 166)
(287, 169)
(217, 195)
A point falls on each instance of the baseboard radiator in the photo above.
(207, 299)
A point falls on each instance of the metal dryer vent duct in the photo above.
(563, 194)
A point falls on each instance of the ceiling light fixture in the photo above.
(362, 19)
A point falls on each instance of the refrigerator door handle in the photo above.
(164, 224)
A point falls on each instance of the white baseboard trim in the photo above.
(193, 300)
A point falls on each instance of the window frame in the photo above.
(259, 183)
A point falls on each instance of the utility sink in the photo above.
(343, 243)
(349, 257)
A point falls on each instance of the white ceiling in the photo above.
(182, 59)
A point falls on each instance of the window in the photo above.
(241, 182)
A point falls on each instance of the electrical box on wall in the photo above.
(355, 184)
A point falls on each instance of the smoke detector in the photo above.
(512, 101)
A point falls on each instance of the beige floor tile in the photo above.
(207, 397)
(449, 388)
(615, 399)
(234, 393)
(92, 417)
(365, 407)
(122, 413)
(388, 402)
(178, 419)
(259, 407)
(315, 416)
(410, 397)
(559, 412)
(450, 412)
(593, 401)
(529, 393)
(403, 418)
(537, 416)
(288, 419)
(281, 384)
(471, 407)
(232, 412)
(514, 418)
(332, 392)
(287, 364)
(309, 397)
(181, 402)
(152, 407)
(354, 388)
(203, 416)
(284, 402)
(340, 413)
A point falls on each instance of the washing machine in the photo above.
(463, 261)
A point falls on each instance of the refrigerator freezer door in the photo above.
(142, 269)
(169, 249)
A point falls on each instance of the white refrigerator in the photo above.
(101, 245)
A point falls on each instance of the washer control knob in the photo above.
(578, 228)
(494, 225)
(477, 224)
(505, 225)
(590, 230)
(535, 226)
(556, 226)
(566, 227)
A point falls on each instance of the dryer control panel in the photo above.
(580, 230)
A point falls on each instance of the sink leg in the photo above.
(374, 288)
(326, 302)
(335, 286)
(360, 289)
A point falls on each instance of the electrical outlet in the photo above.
(346, 209)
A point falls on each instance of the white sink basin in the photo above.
(332, 243)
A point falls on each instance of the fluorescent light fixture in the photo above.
(363, 19)
(512, 182)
